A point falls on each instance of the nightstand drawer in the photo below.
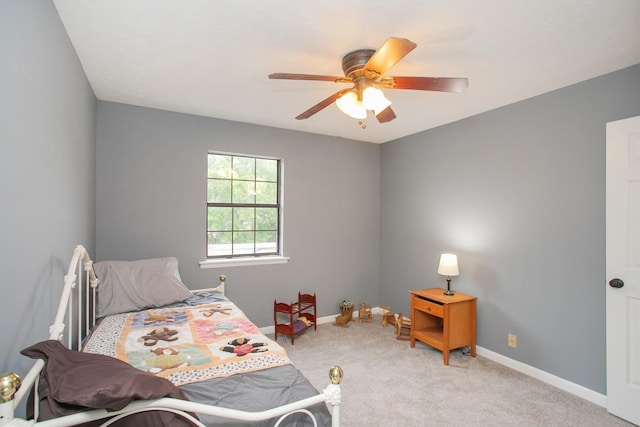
(428, 306)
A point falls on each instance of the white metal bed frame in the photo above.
(77, 303)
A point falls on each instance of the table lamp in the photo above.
(448, 267)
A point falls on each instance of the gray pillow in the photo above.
(136, 285)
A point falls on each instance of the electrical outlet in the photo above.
(511, 340)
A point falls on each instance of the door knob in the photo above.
(616, 283)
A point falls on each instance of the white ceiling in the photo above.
(212, 58)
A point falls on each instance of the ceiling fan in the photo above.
(365, 68)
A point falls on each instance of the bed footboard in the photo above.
(10, 383)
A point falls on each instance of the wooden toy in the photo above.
(388, 316)
(365, 312)
(403, 328)
(304, 308)
(346, 314)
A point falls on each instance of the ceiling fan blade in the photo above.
(293, 76)
(386, 115)
(439, 84)
(387, 55)
(320, 105)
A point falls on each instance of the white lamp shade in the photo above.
(374, 99)
(349, 104)
(448, 265)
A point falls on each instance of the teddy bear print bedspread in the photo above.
(187, 344)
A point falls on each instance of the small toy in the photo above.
(346, 313)
(364, 313)
(388, 316)
(343, 319)
(304, 320)
(346, 305)
(403, 328)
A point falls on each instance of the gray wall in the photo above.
(151, 195)
(519, 194)
(47, 132)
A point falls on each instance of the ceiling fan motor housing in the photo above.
(355, 61)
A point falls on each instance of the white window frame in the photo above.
(252, 259)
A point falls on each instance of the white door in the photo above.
(623, 269)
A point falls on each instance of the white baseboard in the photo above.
(573, 388)
(267, 329)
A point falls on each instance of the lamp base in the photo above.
(448, 291)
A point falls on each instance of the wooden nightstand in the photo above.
(445, 322)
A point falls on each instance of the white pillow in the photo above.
(136, 285)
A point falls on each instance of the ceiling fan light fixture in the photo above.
(349, 104)
(374, 99)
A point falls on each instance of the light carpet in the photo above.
(387, 383)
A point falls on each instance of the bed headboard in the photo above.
(77, 301)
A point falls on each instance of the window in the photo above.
(243, 206)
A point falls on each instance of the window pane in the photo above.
(266, 170)
(244, 192)
(244, 219)
(243, 242)
(218, 191)
(219, 219)
(266, 242)
(219, 244)
(244, 168)
(266, 219)
(219, 166)
(267, 193)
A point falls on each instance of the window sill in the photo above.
(242, 262)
